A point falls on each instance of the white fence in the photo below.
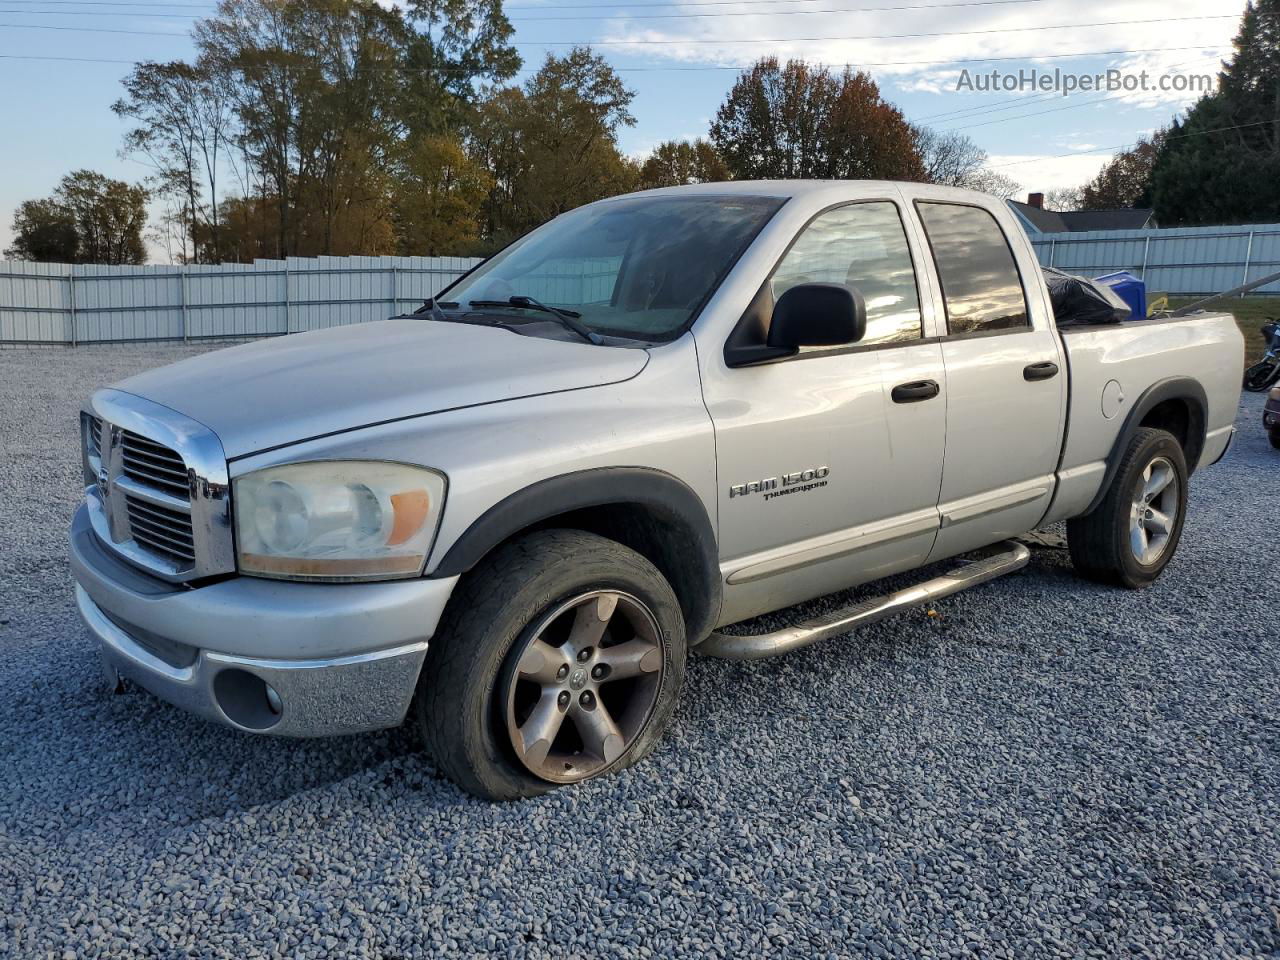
(60, 303)
(1177, 260)
(51, 303)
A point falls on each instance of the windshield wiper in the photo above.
(568, 318)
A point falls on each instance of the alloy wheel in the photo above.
(582, 685)
(1154, 513)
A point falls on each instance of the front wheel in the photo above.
(1131, 536)
(1262, 375)
(560, 659)
(1275, 437)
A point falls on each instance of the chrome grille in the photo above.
(153, 464)
(162, 530)
(158, 492)
(93, 437)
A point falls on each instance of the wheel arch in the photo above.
(1176, 404)
(650, 511)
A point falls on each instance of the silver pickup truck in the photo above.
(515, 513)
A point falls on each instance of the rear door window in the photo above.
(981, 287)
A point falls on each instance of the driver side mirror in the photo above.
(818, 315)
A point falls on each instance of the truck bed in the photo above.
(1114, 367)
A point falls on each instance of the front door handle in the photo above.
(1040, 371)
(915, 391)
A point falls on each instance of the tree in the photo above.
(678, 162)
(800, 121)
(315, 93)
(1221, 164)
(438, 197)
(553, 145)
(1125, 181)
(44, 231)
(461, 43)
(89, 219)
(1063, 199)
(183, 117)
(952, 159)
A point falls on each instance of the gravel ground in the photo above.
(1046, 768)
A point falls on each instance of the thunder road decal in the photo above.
(801, 481)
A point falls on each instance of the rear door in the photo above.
(1005, 377)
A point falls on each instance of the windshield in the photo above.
(639, 268)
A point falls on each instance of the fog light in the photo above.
(273, 701)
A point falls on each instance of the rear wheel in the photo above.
(1275, 437)
(1131, 536)
(560, 659)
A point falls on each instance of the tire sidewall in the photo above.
(596, 564)
(1157, 444)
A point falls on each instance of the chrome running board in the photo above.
(1011, 556)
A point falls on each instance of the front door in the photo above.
(1005, 381)
(825, 479)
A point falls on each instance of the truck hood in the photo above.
(281, 391)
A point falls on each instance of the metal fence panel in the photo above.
(60, 303)
(1176, 260)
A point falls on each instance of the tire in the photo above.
(1274, 436)
(492, 658)
(1261, 375)
(1105, 544)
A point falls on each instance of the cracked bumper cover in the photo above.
(342, 658)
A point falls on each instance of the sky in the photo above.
(681, 58)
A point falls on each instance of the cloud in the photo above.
(907, 45)
(1041, 175)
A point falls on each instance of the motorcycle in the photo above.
(1266, 371)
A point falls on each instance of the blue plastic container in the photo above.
(1130, 289)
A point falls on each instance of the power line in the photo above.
(669, 41)
(612, 17)
(1130, 146)
(1082, 54)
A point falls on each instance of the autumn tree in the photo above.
(678, 162)
(89, 219)
(1125, 181)
(552, 145)
(801, 121)
(439, 193)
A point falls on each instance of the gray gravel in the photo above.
(1046, 768)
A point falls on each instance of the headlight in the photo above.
(336, 520)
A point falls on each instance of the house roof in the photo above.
(1072, 221)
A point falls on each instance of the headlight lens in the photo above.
(337, 520)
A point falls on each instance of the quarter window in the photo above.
(865, 246)
(980, 283)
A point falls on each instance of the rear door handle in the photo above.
(1040, 371)
(915, 391)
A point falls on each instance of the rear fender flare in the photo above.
(1187, 390)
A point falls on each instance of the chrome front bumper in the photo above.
(289, 659)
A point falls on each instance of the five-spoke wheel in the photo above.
(1132, 534)
(583, 684)
(560, 658)
(1154, 512)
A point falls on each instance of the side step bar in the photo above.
(1011, 556)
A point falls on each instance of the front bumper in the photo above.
(292, 659)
